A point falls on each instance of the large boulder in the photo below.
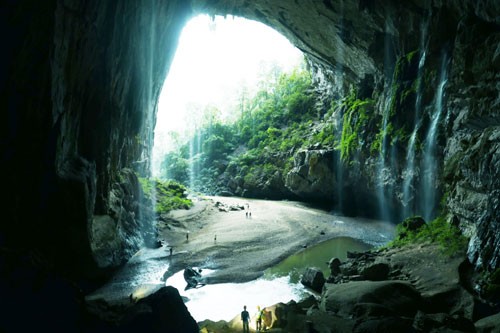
(163, 311)
(376, 271)
(313, 278)
(397, 297)
(312, 176)
(489, 324)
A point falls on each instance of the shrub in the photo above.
(438, 231)
(168, 195)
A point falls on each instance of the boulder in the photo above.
(334, 265)
(400, 297)
(376, 272)
(312, 171)
(192, 278)
(384, 324)
(489, 324)
(313, 278)
(163, 311)
(440, 322)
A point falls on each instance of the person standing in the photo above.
(258, 323)
(245, 318)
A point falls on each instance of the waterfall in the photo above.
(410, 170)
(339, 178)
(192, 154)
(430, 170)
(339, 73)
(383, 175)
(409, 175)
(383, 172)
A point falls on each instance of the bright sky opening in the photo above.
(214, 60)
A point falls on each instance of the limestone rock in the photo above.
(397, 296)
(312, 176)
(489, 324)
(313, 278)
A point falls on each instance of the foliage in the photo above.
(355, 118)
(438, 231)
(168, 195)
(277, 120)
(492, 284)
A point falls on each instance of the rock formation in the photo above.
(80, 85)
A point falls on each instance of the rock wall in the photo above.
(411, 59)
(81, 79)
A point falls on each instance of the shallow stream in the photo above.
(145, 271)
(280, 283)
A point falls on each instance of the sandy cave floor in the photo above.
(243, 249)
(240, 248)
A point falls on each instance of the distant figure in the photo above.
(260, 314)
(215, 239)
(187, 236)
(245, 318)
(246, 214)
(171, 250)
(249, 214)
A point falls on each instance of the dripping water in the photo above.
(410, 171)
(430, 170)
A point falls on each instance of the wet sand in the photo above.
(240, 248)
(234, 248)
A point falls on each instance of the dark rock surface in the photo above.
(312, 176)
(313, 278)
(414, 297)
(162, 311)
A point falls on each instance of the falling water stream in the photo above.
(410, 172)
(429, 162)
(382, 187)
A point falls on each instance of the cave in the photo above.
(80, 87)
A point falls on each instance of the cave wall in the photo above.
(81, 82)
(367, 46)
(80, 85)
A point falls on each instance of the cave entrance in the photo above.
(219, 65)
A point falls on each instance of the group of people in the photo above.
(245, 318)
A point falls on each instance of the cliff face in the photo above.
(431, 140)
(81, 85)
(81, 81)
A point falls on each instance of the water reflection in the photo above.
(316, 256)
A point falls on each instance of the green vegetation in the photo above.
(276, 122)
(355, 118)
(168, 195)
(492, 284)
(438, 231)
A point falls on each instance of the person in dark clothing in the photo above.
(245, 318)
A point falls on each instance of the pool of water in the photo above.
(280, 283)
(316, 256)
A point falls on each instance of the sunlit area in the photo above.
(220, 64)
